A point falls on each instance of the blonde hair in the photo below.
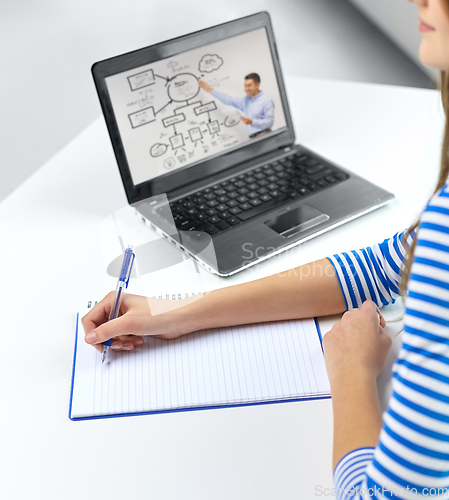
(443, 86)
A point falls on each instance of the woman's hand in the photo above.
(139, 316)
(357, 345)
(355, 351)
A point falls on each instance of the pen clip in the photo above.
(130, 268)
(127, 265)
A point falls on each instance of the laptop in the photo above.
(202, 133)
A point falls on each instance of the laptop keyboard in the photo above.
(239, 199)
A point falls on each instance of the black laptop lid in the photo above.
(167, 131)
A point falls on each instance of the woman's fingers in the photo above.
(126, 342)
(113, 329)
(369, 304)
(98, 314)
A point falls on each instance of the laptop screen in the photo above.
(183, 110)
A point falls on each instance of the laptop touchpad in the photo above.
(297, 220)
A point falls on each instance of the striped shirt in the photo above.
(411, 459)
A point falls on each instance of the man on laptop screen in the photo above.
(166, 122)
(257, 107)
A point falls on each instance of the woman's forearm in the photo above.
(357, 415)
(304, 292)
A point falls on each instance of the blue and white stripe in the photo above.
(372, 273)
(411, 459)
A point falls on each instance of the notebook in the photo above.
(221, 367)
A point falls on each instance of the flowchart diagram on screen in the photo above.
(183, 122)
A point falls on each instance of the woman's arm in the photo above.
(320, 288)
(356, 350)
(306, 291)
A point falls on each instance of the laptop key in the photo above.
(233, 194)
(253, 186)
(235, 210)
(209, 196)
(266, 197)
(255, 202)
(221, 207)
(243, 190)
(211, 211)
(321, 174)
(214, 219)
(224, 215)
(198, 226)
(262, 190)
(275, 193)
(176, 208)
(185, 225)
(220, 192)
(249, 214)
(200, 217)
(233, 221)
(222, 225)
(252, 195)
(242, 199)
(222, 199)
(315, 169)
(245, 206)
(232, 203)
(212, 203)
(210, 230)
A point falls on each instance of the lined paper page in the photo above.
(222, 366)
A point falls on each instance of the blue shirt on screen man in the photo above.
(257, 107)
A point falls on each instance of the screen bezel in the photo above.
(189, 174)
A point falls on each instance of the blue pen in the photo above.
(123, 281)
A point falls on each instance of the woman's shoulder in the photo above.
(440, 198)
(435, 217)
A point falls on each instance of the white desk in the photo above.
(52, 262)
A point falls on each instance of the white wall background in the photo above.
(398, 19)
(47, 47)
